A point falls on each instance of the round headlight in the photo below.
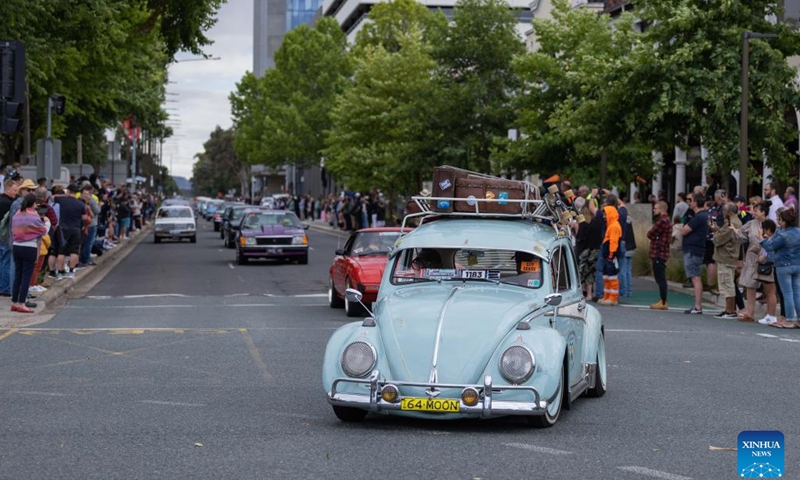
(516, 364)
(470, 397)
(390, 393)
(358, 359)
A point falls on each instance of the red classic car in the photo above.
(360, 265)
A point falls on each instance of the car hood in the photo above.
(269, 230)
(371, 265)
(476, 320)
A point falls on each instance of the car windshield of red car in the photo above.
(374, 243)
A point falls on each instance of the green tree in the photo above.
(685, 79)
(218, 168)
(474, 53)
(282, 117)
(575, 107)
(381, 136)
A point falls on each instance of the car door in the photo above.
(571, 314)
(341, 264)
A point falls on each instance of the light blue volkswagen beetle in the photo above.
(477, 317)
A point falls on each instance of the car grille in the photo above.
(273, 240)
(175, 226)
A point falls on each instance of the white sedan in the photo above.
(175, 221)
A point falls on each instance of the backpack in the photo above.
(4, 227)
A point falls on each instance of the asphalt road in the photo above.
(181, 364)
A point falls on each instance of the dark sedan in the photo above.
(271, 234)
(231, 220)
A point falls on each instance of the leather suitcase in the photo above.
(499, 189)
(444, 185)
(469, 187)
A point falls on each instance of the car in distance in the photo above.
(274, 234)
(476, 317)
(175, 222)
(231, 220)
(360, 265)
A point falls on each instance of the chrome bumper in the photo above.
(487, 407)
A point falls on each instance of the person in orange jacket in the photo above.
(609, 251)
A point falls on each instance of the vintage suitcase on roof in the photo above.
(444, 185)
(492, 188)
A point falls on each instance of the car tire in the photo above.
(601, 373)
(216, 227)
(193, 239)
(240, 259)
(221, 233)
(350, 308)
(156, 240)
(333, 299)
(303, 260)
(349, 414)
(550, 417)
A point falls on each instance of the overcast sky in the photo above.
(202, 87)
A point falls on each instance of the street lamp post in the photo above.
(743, 120)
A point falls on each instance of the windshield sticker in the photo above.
(503, 196)
(534, 283)
(529, 267)
(490, 195)
(474, 274)
(444, 273)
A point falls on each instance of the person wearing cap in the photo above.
(73, 213)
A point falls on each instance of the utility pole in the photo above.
(744, 154)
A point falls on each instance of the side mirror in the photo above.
(554, 299)
(305, 227)
(339, 251)
(353, 295)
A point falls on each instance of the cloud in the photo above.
(202, 87)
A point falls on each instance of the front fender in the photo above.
(548, 348)
(341, 338)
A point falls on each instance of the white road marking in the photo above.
(47, 394)
(134, 306)
(790, 340)
(534, 448)
(766, 335)
(155, 295)
(99, 297)
(238, 295)
(173, 404)
(311, 248)
(311, 295)
(624, 330)
(231, 266)
(654, 473)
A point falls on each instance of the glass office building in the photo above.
(271, 20)
(299, 12)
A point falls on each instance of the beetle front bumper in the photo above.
(486, 407)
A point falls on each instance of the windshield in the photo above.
(504, 266)
(256, 220)
(237, 213)
(175, 213)
(374, 243)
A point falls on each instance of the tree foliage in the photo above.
(218, 168)
(107, 57)
(282, 117)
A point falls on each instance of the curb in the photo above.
(58, 293)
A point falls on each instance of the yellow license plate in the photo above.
(445, 405)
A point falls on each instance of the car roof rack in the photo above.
(555, 209)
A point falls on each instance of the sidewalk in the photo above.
(58, 292)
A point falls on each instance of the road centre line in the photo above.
(627, 330)
(534, 448)
(230, 265)
(47, 394)
(251, 346)
(654, 473)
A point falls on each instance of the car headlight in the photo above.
(162, 227)
(249, 240)
(358, 359)
(298, 240)
(517, 364)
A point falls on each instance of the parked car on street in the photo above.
(477, 316)
(360, 265)
(175, 222)
(274, 234)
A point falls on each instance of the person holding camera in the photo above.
(27, 230)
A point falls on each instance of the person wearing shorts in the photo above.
(695, 234)
(73, 213)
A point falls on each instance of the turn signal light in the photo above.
(305, 240)
(470, 396)
(241, 241)
(390, 393)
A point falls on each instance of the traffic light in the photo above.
(12, 85)
(59, 103)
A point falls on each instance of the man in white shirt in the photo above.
(772, 195)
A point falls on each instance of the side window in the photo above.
(348, 246)
(561, 271)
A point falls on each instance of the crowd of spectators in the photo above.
(49, 231)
